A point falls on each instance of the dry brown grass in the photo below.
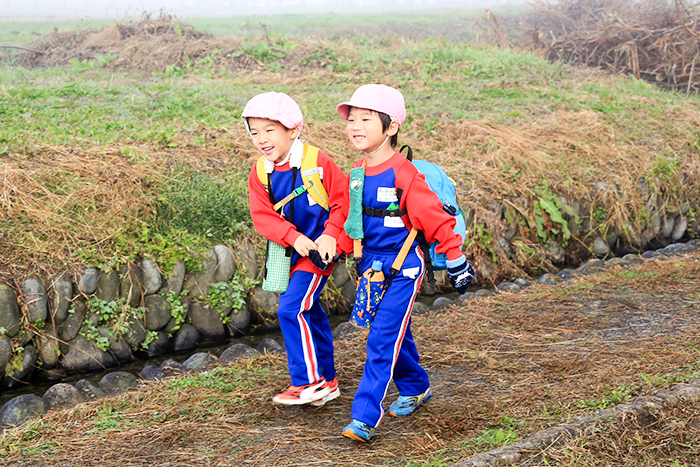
(154, 44)
(499, 166)
(58, 200)
(642, 443)
(535, 358)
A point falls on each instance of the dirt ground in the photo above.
(501, 368)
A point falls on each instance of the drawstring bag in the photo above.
(370, 291)
(278, 260)
(278, 266)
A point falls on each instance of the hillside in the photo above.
(109, 130)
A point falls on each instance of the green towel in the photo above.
(354, 226)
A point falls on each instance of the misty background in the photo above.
(81, 9)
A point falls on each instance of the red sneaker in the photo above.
(335, 392)
(297, 395)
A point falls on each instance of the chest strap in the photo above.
(383, 212)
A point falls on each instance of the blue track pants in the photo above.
(391, 351)
(306, 330)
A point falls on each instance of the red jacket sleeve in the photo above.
(426, 214)
(267, 222)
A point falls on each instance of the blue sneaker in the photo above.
(406, 405)
(359, 431)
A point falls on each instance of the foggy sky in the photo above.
(82, 9)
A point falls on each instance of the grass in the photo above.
(105, 159)
(336, 26)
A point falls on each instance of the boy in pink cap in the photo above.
(285, 212)
(390, 201)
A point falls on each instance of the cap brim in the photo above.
(343, 109)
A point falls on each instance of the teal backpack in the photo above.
(444, 188)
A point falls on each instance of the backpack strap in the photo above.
(262, 175)
(403, 179)
(384, 212)
(312, 175)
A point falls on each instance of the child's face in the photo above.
(365, 129)
(272, 139)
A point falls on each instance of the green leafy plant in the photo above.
(484, 239)
(177, 308)
(16, 362)
(113, 315)
(150, 337)
(610, 399)
(80, 66)
(104, 60)
(496, 437)
(552, 205)
(274, 45)
(665, 166)
(233, 293)
(92, 333)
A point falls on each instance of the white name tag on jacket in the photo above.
(387, 194)
(394, 222)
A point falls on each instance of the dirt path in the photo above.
(502, 368)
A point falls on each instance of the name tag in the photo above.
(394, 222)
(387, 194)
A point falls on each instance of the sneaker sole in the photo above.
(333, 395)
(351, 434)
(317, 396)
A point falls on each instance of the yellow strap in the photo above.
(260, 168)
(290, 196)
(401, 257)
(357, 248)
(308, 163)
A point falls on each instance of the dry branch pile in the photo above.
(658, 41)
(164, 44)
(146, 45)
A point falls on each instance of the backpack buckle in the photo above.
(449, 209)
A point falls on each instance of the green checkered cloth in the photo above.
(277, 268)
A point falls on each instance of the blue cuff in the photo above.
(451, 263)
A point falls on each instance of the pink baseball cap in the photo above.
(377, 97)
(275, 106)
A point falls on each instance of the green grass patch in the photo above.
(209, 205)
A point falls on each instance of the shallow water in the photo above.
(43, 381)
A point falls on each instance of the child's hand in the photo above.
(304, 244)
(326, 247)
(460, 273)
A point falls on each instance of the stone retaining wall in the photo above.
(96, 319)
